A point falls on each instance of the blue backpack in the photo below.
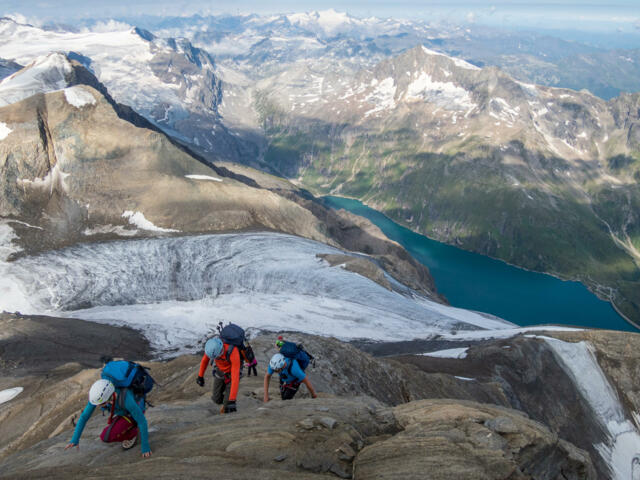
(125, 374)
(234, 336)
(296, 352)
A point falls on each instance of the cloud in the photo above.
(19, 18)
(470, 17)
(110, 26)
(636, 24)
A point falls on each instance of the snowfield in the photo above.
(138, 219)
(46, 73)
(176, 290)
(79, 97)
(622, 449)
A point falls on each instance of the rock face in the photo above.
(82, 167)
(36, 345)
(443, 439)
(532, 378)
(373, 419)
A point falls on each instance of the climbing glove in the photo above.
(230, 408)
(200, 381)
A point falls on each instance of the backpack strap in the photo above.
(113, 407)
(229, 350)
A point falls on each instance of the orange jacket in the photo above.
(231, 366)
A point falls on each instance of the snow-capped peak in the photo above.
(45, 74)
(457, 61)
(328, 22)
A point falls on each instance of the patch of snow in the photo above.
(448, 353)
(506, 332)
(4, 130)
(582, 135)
(79, 96)
(9, 394)
(55, 179)
(26, 224)
(203, 177)
(383, 96)
(622, 448)
(138, 219)
(505, 108)
(444, 94)
(457, 61)
(105, 229)
(466, 379)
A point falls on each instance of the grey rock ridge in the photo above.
(375, 418)
(91, 169)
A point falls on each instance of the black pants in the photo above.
(252, 368)
(221, 387)
(288, 390)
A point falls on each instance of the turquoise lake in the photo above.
(477, 282)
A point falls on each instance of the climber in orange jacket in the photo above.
(226, 373)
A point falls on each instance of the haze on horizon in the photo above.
(622, 17)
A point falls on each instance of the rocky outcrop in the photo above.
(533, 379)
(37, 345)
(349, 431)
(361, 266)
(444, 439)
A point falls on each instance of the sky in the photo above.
(594, 15)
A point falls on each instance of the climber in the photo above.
(251, 361)
(128, 422)
(291, 376)
(226, 373)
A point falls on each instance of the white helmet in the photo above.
(277, 361)
(101, 391)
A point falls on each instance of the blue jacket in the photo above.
(296, 374)
(132, 408)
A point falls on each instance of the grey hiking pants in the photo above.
(221, 388)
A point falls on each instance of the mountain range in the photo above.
(124, 233)
(541, 177)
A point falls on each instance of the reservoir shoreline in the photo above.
(478, 297)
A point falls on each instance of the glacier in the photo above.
(621, 451)
(176, 290)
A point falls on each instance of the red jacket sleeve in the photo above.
(236, 365)
(203, 365)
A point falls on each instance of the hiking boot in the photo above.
(127, 444)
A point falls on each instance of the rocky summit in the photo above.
(509, 409)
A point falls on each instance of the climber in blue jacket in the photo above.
(125, 420)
